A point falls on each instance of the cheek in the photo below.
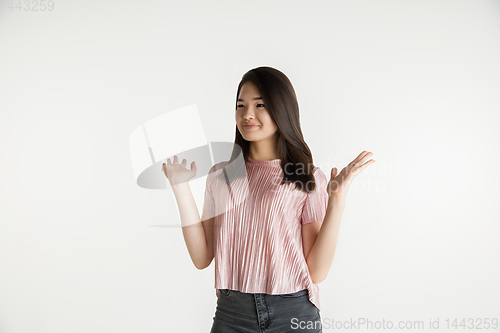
(270, 123)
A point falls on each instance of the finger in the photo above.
(333, 174)
(169, 161)
(360, 156)
(367, 155)
(362, 167)
(370, 162)
(176, 160)
(193, 166)
(360, 159)
(184, 162)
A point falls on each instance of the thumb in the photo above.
(334, 172)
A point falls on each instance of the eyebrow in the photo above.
(256, 98)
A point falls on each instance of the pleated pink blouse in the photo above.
(257, 233)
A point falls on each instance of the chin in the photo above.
(252, 138)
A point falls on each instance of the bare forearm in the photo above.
(192, 228)
(320, 258)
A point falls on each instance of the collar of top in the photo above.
(276, 162)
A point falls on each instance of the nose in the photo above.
(248, 114)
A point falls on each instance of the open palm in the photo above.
(339, 185)
(177, 173)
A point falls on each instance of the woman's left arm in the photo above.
(320, 257)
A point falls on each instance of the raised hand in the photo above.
(177, 173)
(339, 184)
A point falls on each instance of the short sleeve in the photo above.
(317, 201)
(209, 202)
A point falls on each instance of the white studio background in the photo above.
(415, 82)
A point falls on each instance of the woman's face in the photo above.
(250, 109)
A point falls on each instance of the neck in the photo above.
(264, 150)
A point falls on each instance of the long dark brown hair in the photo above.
(280, 100)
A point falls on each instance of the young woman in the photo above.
(273, 236)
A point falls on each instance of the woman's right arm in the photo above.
(197, 234)
(197, 231)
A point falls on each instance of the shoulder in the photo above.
(218, 166)
(217, 169)
(317, 172)
(320, 177)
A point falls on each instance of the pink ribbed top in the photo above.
(257, 243)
